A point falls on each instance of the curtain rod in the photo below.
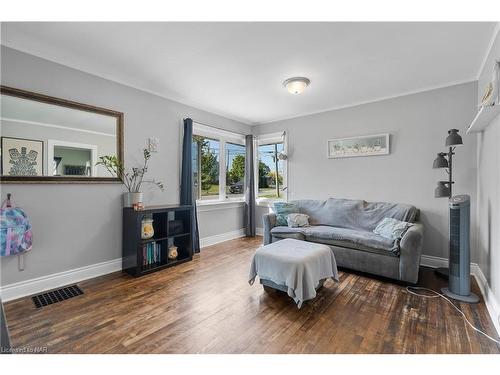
(283, 133)
(215, 127)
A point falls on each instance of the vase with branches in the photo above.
(133, 180)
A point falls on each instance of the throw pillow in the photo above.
(391, 228)
(282, 210)
(297, 220)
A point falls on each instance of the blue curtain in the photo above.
(187, 197)
(249, 188)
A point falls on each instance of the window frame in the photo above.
(267, 139)
(223, 137)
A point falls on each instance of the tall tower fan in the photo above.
(459, 260)
(458, 272)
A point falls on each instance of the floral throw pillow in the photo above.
(297, 220)
(282, 210)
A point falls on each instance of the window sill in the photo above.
(203, 206)
(264, 204)
(268, 203)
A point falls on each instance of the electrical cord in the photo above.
(436, 295)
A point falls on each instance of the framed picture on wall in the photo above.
(22, 157)
(366, 145)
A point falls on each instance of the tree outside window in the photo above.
(219, 166)
(205, 167)
(217, 162)
(271, 171)
(235, 170)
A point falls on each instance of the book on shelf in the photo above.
(152, 252)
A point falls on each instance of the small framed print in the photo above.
(22, 157)
(367, 145)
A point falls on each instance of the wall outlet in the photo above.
(153, 144)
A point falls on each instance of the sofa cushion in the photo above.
(287, 232)
(352, 239)
(354, 214)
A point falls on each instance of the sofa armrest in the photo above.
(269, 222)
(410, 253)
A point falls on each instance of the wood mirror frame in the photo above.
(5, 90)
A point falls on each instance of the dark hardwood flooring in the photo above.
(207, 306)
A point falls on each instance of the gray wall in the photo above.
(488, 163)
(77, 225)
(418, 126)
(212, 216)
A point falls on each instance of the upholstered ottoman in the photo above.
(295, 267)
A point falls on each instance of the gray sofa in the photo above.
(347, 227)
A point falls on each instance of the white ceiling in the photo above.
(237, 69)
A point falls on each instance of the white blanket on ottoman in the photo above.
(298, 265)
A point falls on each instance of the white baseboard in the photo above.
(433, 262)
(436, 262)
(218, 238)
(259, 231)
(491, 303)
(28, 287)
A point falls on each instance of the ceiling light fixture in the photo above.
(296, 85)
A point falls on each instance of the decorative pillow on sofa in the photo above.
(391, 228)
(282, 210)
(297, 220)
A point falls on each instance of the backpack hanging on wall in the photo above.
(16, 236)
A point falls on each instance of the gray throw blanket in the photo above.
(354, 214)
(352, 222)
(354, 239)
(297, 265)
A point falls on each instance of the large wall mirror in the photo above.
(47, 139)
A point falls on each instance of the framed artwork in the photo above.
(22, 157)
(366, 145)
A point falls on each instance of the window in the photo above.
(218, 164)
(206, 167)
(270, 171)
(235, 170)
(271, 168)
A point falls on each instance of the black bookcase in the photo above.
(172, 226)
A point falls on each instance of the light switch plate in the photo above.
(153, 144)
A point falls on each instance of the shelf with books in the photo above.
(153, 252)
(145, 256)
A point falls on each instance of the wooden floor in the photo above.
(207, 306)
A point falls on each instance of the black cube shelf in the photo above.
(172, 226)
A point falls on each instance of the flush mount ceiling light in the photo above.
(296, 85)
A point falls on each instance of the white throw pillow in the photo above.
(391, 228)
(297, 220)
